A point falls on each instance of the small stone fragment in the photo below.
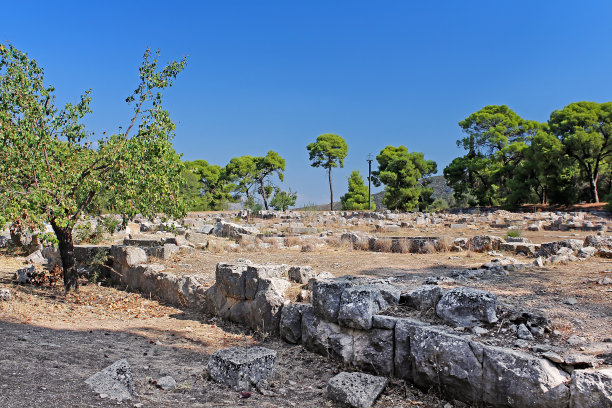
(523, 333)
(115, 381)
(357, 390)
(166, 383)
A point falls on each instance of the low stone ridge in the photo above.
(115, 381)
(241, 368)
(357, 390)
(467, 307)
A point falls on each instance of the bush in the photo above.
(110, 224)
(514, 233)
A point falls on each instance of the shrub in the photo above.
(110, 224)
(444, 243)
(514, 233)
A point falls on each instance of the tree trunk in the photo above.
(66, 248)
(593, 182)
(331, 191)
(263, 195)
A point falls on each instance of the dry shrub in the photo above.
(336, 242)
(444, 243)
(383, 244)
(309, 247)
(292, 241)
(362, 245)
(428, 248)
(401, 246)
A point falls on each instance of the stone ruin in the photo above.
(347, 320)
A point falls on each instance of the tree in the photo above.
(495, 139)
(191, 191)
(215, 184)
(282, 200)
(585, 129)
(52, 169)
(357, 197)
(270, 164)
(400, 172)
(242, 171)
(328, 151)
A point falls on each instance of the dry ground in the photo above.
(51, 342)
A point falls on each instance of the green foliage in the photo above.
(110, 224)
(328, 151)
(215, 187)
(272, 163)
(282, 200)
(357, 196)
(495, 140)
(242, 171)
(48, 238)
(51, 167)
(514, 233)
(97, 266)
(585, 130)
(400, 172)
(438, 205)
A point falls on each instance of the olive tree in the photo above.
(55, 170)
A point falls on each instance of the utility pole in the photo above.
(369, 160)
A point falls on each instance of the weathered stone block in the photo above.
(516, 379)
(422, 298)
(373, 350)
(230, 279)
(591, 388)
(290, 326)
(467, 307)
(241, 368)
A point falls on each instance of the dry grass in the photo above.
(362, 245)
(383, 245)
(336, 242)
(444, 243)
(292, 241)
(401, 246)
(427, 248)
(309, 247)
(273, 242)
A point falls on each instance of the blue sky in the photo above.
(274, 75)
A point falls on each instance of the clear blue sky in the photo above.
(274, 75)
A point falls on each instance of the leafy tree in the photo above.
(495, 139)
(328, 151)
(282, 200)
(215, 184)
(585, 129)
(357, 196)
(242, 171)
(270, 164)
(544, 175)
(191, 191)
(400, 172)
(52, 169)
